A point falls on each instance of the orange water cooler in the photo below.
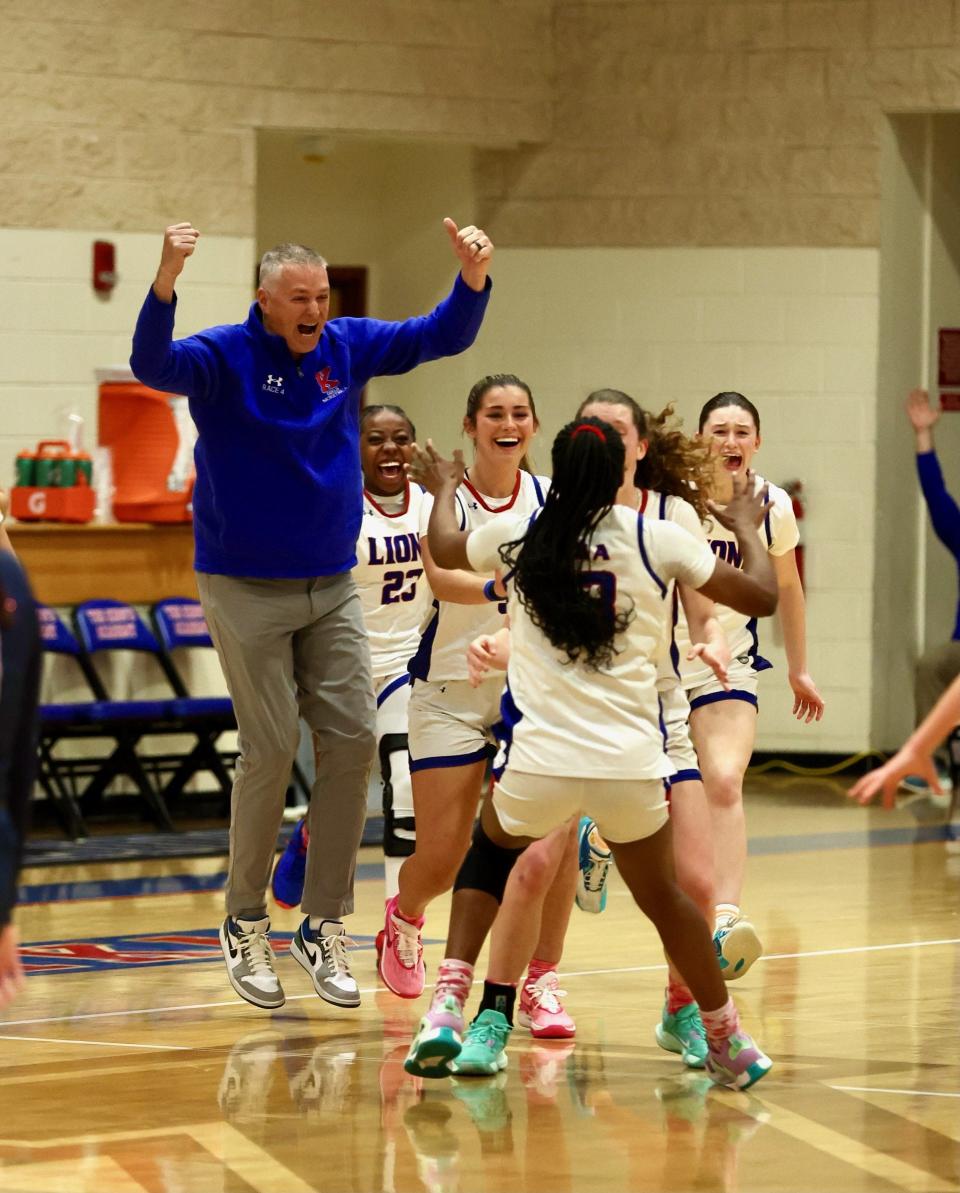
(150, 436)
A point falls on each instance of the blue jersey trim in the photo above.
(663, 507)
(674, 649)
(690, 775)
(715, 697)
(392, 686)
(419, 665)
(443, 761)
(758, 661)
(767, 530)
(646, 562)
(510, 718)
(537, 488)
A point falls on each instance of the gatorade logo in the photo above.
(37, 502)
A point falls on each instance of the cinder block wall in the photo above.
(715, 163)
(719, 122)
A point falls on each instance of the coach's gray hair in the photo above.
(273, 260)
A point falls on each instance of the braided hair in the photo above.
(369, 411)
(551, 563)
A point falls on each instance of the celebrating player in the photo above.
(580, 732)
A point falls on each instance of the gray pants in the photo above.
(936, 670)
(292, 648)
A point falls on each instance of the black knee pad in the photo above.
(393, 844)
(487, 865)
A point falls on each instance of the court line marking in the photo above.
(581, 973)
(100, 1043)
(862, 948)
(855, 1152)
(873, 1089)
(260, 1170)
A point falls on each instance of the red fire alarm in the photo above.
(104, 271)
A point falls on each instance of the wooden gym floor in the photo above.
(128, 1065)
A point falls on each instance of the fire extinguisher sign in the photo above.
(948, 367)
(794, 490)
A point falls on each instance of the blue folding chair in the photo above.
(91, 718)
(181, 627)
(108, 628)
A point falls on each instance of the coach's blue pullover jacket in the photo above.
(279, 490)
(944, 513)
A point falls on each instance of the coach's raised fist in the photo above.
(179, 241)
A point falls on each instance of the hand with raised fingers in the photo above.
(746, 509)
(921, 413)
(428, 468)
(886, 778)
(473, 249)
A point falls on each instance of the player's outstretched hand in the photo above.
(921, 414)
(807, 701)
(428, 468)
(886, 778)
(746, 509)
(473, 249)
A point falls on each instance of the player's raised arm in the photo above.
(440, 477)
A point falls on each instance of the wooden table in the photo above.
(125, 561)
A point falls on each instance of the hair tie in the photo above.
(588, 427)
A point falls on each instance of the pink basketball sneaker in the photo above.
(400, 954)
(542, 1011)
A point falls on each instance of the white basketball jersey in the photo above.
(667, 508)
(779, 534)
(390, 578)
(450, 628)
(562, 718)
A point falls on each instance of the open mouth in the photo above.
(733, 463)
(507, 442)
(307, 329)
(391, 470)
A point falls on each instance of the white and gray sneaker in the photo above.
(249, 957)
(323, 954)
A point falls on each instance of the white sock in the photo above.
(725, 914)
(317, 924)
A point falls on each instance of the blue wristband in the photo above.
(489, 593)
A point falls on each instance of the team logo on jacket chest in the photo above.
(330, 387)
(273, 385)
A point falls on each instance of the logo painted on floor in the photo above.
(125, 952)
